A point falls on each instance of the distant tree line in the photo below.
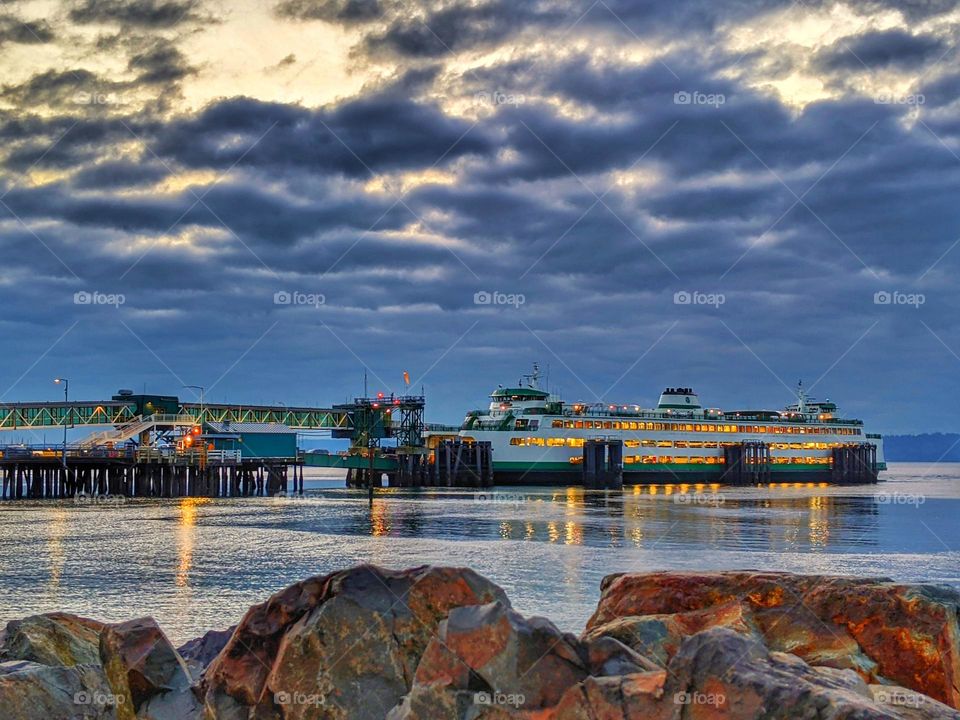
(928, 447)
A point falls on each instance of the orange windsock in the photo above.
(406, 378)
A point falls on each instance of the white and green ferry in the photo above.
(538, 439)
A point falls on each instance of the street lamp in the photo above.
(66, 399)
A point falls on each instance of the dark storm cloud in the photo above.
(369, 134)
(136, 13)
(347, 12)
(52, 87)
(164, 63)
(437, 29)
(118, 174)
(15, 30)
(888, 48)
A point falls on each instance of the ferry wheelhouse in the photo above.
(538, 439)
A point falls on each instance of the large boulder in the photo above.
(32, 691)
(504, 659)
(52, 639)
(888, 633)
(141, 664)
(344, 645)
(658, 637)
(719, 673)
(627, 697)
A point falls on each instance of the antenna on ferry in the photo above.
(801, 398)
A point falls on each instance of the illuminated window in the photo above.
(557, 424)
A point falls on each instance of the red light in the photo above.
(376, 405)
(379, 395)
(397, 401)
(196, 430)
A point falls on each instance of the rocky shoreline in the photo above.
(437, 643)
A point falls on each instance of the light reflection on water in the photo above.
(196, 563)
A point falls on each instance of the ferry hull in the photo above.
(546, 477)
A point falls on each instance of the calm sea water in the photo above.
(198, 564)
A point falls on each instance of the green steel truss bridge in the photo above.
(365, 421)
(27, 416)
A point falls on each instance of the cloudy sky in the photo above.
(267, 197)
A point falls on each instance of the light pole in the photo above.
(66, 400)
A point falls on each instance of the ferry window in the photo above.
(681, 444)
(568, 424)
(664, 443)
(578, 424)
(557, 423)
(697, 428)
(631, 443)
(607, 425)
(648, 443)
(633, 426)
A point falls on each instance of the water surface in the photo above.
(196, 564)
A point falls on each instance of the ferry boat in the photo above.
(537, 438)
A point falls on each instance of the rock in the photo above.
(200, 652)
(140, 663)
(502, 661)
(617, 698)
(345, 645)
(605, 655)
(886, 632)
(32, 691)
(720, 672)
(180, 704)
(658, 637)
(52, 639)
